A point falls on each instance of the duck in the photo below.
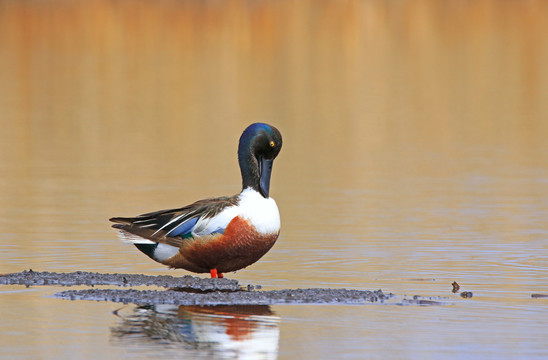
(222, 234)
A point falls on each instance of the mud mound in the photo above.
(34, 278)
(185, 290)
(290, 296)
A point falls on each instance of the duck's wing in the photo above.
(173, 225)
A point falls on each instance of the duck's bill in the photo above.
(265, 169)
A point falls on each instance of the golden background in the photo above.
(414, 145)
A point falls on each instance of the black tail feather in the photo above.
(147, 249)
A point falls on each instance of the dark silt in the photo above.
(186, 290)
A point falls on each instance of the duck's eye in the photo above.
(272, 144)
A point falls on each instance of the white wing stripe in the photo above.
(206, 226)
(170, 222)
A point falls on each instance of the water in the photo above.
(414, 156)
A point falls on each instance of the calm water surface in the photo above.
(414, 155)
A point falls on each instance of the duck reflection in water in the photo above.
(224, 330)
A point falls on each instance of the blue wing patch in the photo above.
(184, 228)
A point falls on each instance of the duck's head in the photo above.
(259, 145)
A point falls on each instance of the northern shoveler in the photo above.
(221, 234)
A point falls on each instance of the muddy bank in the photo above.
(185, 290)
(33, 278)
(243, 297)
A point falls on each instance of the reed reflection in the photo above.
(224, 330)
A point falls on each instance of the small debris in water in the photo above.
(463, 294)
(423, 301)
(466, 294)
(421, 279)
(538, 296)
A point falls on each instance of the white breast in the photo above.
(262, 213)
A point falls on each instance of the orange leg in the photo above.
(220, 275)
(214, 273)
